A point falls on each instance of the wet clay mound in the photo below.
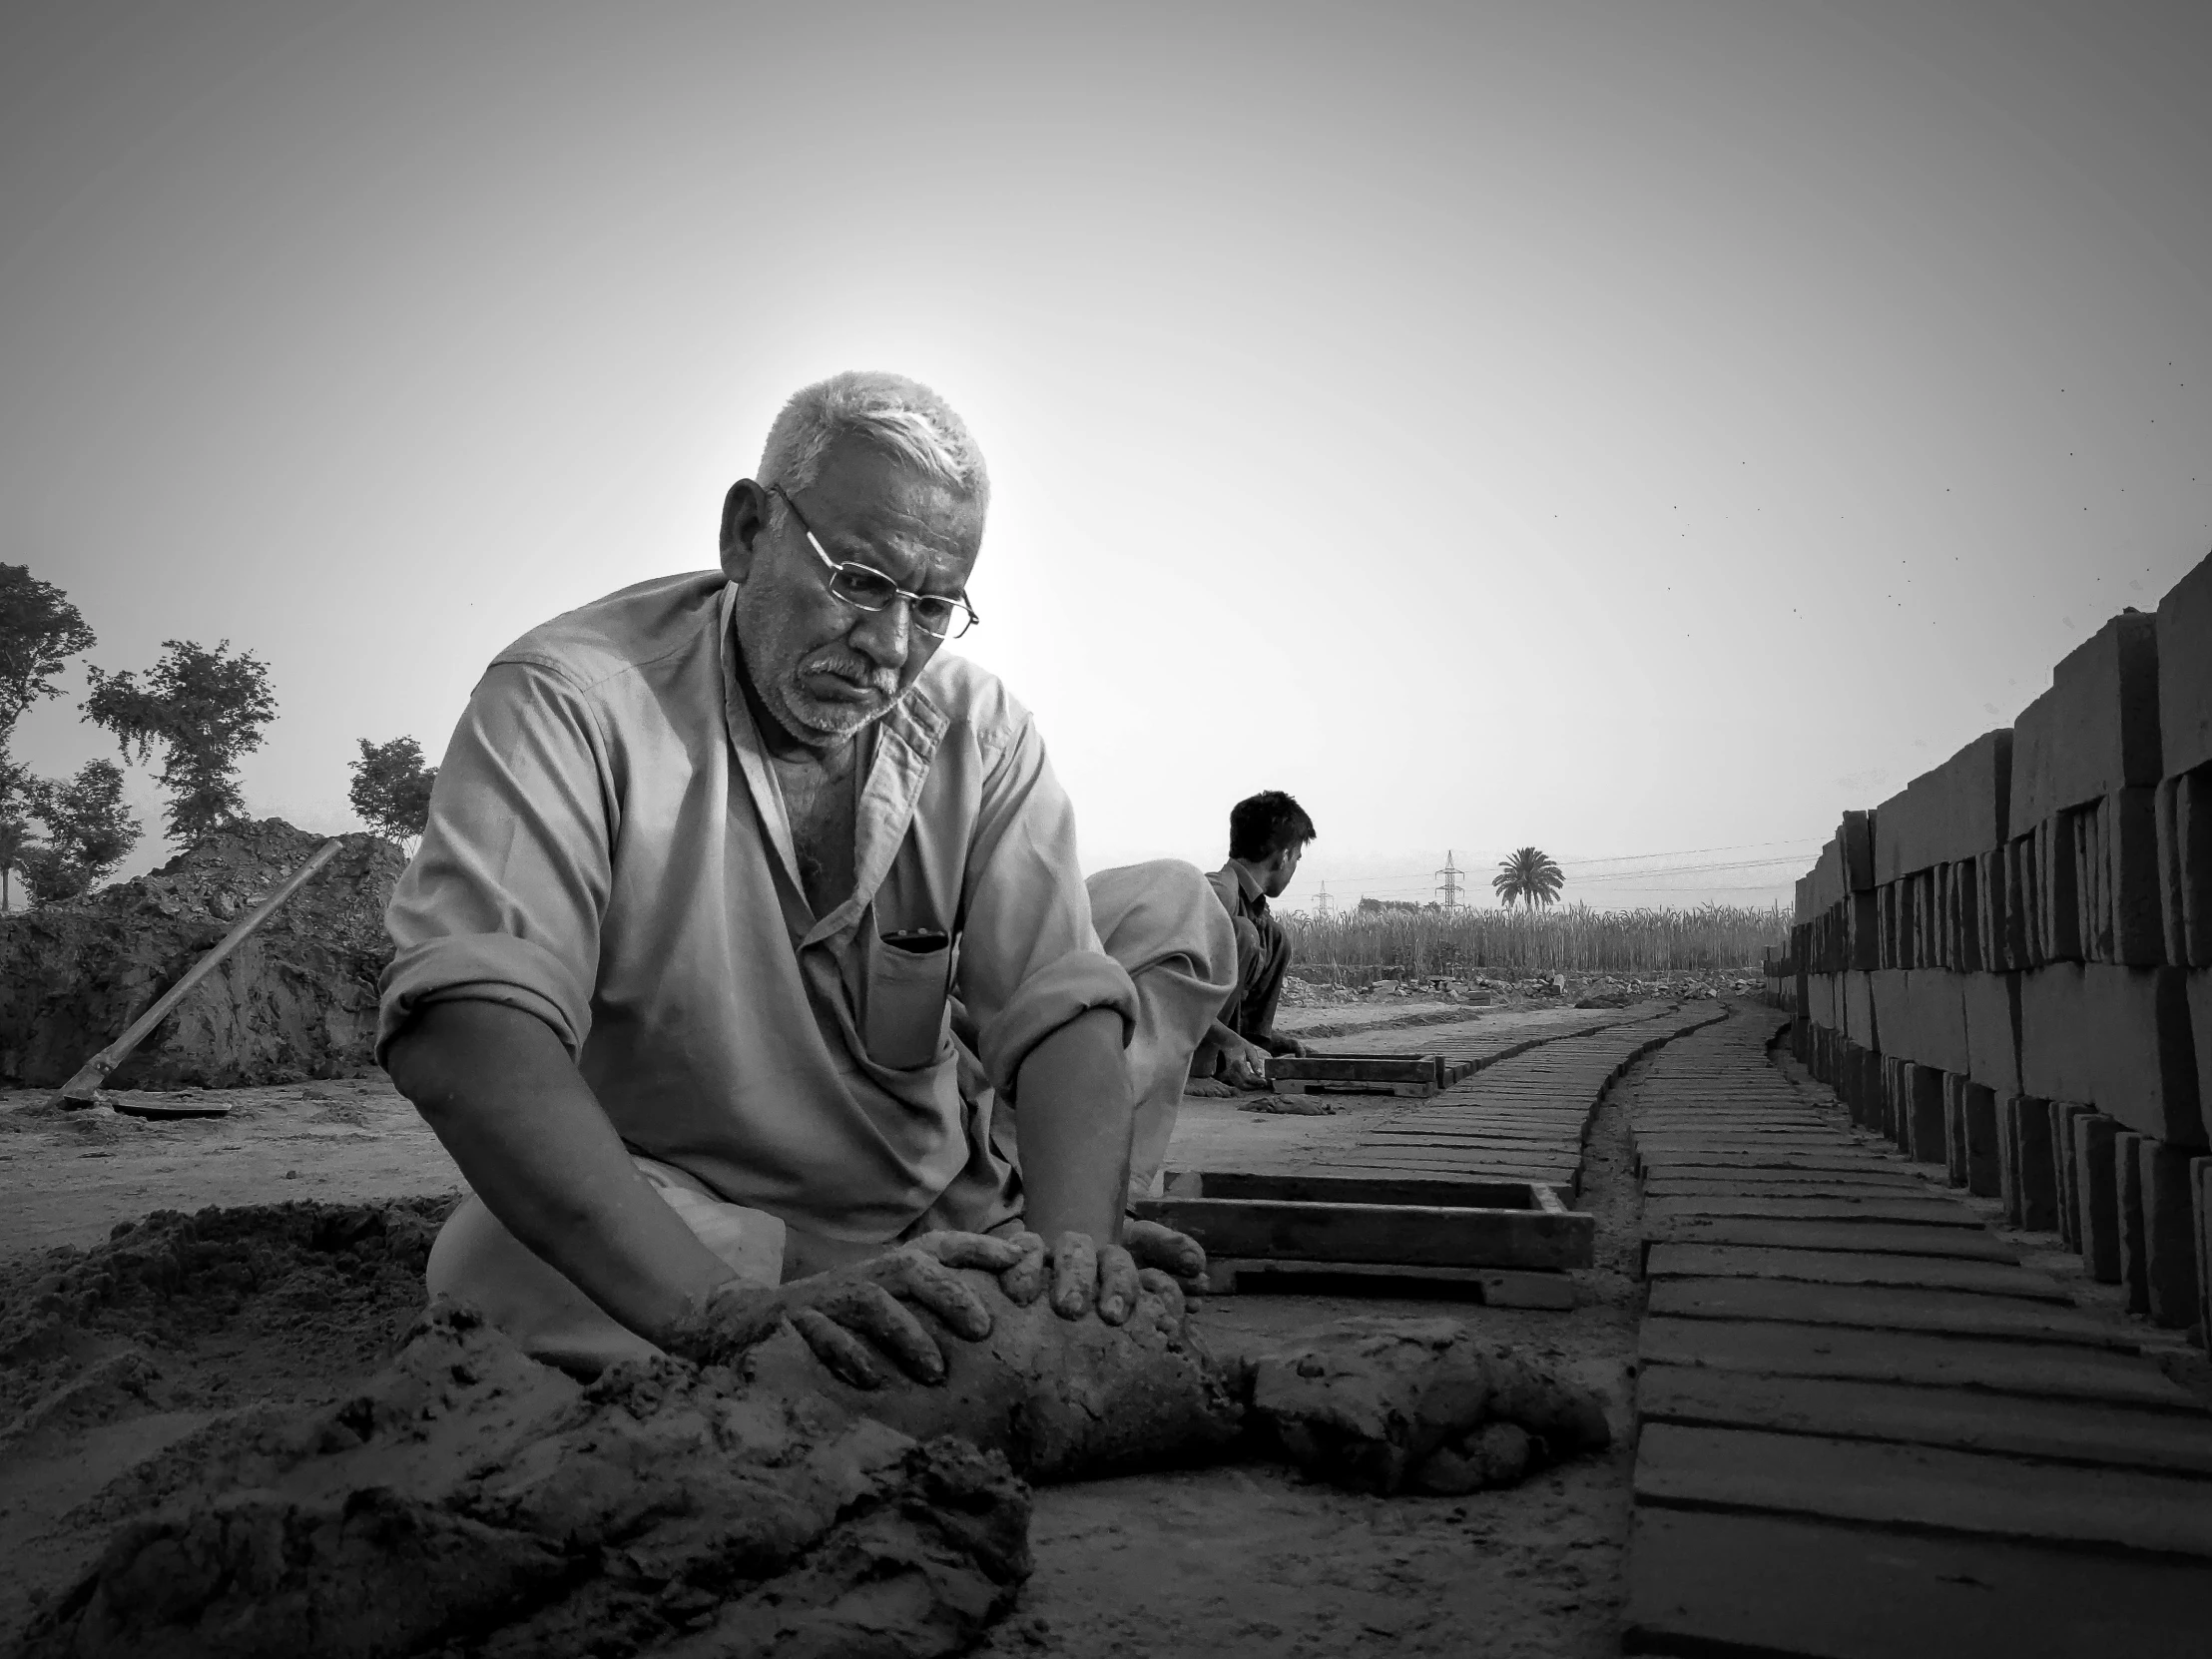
(471, 1501)
(1060, 1399)
(296, 1000)
(1384, 1406)
(207, 1311)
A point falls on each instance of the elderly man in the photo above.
(747, 941)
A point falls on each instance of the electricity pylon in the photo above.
(1448, 882)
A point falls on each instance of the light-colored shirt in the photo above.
(608, 851)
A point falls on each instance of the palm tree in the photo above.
(1529, 876)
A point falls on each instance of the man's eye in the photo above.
(932, 610)
(866, 584)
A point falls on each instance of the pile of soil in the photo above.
(207, 1312)
(238, 1432)
(296, 1000)
(469, 1501)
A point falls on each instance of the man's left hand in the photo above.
(1082, 1277)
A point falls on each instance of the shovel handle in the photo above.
(80, 1089)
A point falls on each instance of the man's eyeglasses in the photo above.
(871, 590)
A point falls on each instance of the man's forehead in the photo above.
(864, 496)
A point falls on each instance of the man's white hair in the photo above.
(899, 417)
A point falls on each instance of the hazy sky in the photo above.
(1629, 430)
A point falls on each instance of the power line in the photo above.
(1409, 886)
(1684, 870)
(1694, 851)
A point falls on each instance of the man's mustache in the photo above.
(848, 666)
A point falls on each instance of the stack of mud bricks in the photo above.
(2007, 967)
(1781, 972)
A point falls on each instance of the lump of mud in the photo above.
(1060, 1399)
(298, 999)
(1382, 1405)
(296, 1296)
(471, 1501)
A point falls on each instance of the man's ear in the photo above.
(744, 518)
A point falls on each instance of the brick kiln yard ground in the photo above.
(1226, 1561)
(1250, 1561)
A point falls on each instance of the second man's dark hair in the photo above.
(1263, 824)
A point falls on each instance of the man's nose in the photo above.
(884, 636)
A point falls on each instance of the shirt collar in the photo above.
(1245, 884)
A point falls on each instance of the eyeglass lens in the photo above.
(873, 590)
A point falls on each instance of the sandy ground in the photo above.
(68, 1177)
(1234, 1563)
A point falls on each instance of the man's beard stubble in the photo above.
(830, 717)
(784, 696)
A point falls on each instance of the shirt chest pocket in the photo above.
(903, 991)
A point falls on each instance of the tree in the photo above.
(391, 787)
(1529, 875)
(206, 708)
(39, 631)
(89, 831)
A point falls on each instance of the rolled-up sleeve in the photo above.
(1030, 961)
(504, 899)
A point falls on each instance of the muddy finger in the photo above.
(927, 1280)
(837, 1347)
(1117, 1285)
(1024, 1282)
(872, 1311)
(1074, 1275)
(1155, 1246)
(1153, 1282)
(971, 1250)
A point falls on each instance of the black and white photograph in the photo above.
(1225, 831)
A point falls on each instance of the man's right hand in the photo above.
(851, 1316)
(1247, 1065)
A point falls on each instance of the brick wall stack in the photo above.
(2007, 965)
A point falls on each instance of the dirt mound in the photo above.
(207, 1311)
(471, 1502)
(237, 1432)
(1387, 1405)
(296, 1000)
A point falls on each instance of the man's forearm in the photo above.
(1074, 1118)
(500, 1092)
